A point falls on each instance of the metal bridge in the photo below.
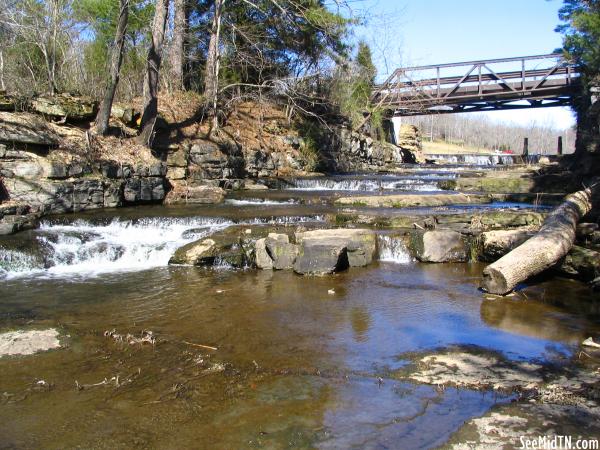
(510, 83)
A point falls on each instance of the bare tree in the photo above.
(115, 68)
(150, 112)
(211, 77)
(180, 27)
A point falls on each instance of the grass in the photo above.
(437, 147)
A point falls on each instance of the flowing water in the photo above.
(248, 358)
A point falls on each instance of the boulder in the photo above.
(262, 258)
(581, 263)
(282, 253)
(321, 258)
(124, 114)
(181, 192)
(495, 244)
(439, 246)
(361, 244)
(26, 129)
(65, 105)
(197, 253)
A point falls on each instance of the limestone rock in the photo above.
(440, 246)
(318, 258)
(496, 244)
(124, 114)
(262, 258)
(581, 263)
(26, 129)
(282, 253)
(196, 253)
(181, 192)
(65, 105)
(361, 244)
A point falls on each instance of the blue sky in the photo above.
(418, 32)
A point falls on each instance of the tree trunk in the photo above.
(178, 51)
(552, 242)
(152, 71)
(211, 77)
(115, 68)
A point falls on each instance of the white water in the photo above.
(257, 201)
(87, 249)
(482, 160)
(327, 184)
(393, 249)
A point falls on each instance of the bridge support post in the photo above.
(559, 148)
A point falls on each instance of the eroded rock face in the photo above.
(440, 246)
(26, 129)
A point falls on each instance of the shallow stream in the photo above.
(248, 358)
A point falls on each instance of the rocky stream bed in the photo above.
(299, 312)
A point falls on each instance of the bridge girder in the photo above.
(489, 89)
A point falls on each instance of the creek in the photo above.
(249, 358)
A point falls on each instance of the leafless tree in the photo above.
(115, 68)
(151, 80)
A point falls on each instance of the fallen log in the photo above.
(553, 241)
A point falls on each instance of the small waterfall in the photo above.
(393, 249)
(365, 185)
(83, 248)
(483, 160)
(258, 201)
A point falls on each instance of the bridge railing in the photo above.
(507, 79)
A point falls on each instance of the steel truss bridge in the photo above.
(495, 84)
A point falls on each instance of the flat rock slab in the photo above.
(476, 371)
(406, 200)
(28, 342)
(26, 129)
(72, 107)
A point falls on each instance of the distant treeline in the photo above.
(481, 131)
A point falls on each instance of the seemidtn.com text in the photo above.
(558, 442)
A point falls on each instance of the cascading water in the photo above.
(366, 185)
(83, 248)
(484, 160)
(393, 249)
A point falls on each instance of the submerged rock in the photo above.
(581, 263)
(440, 246)
(28, 342)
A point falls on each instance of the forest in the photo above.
(302, 53)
